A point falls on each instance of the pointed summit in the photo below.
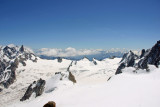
(21, 49)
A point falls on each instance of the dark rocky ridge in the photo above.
(35, 87)
(150, 56)
(128, 60)
(142, 53)
(10, 58)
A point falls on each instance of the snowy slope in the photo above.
(85, 72)
(27, 74)
(128, 89)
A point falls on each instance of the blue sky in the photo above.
(105, 24)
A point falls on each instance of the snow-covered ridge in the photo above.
(10, 57)
(89, 82)
(85, 72)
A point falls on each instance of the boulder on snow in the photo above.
(68, 69)
(50, 104)
(35, 87)
(71, 77)
(59, 59)
(95, 63)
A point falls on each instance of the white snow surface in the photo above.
(93, 89)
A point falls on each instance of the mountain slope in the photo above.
(125, 90)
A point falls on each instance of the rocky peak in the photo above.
(36, 87)
(152, 57)
(59, 59)
(128, 59)
(21, 49)
(142, 53)
(10, 57)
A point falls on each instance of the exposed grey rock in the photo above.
(112, 57)
(21, 49)
(8, 55)
(68, 69)
(35, 87)
(142, 53)
(129, 59)
(109, 78)
(151, 56)
(71, 77)
(1, 89)
(119, 69)
(8, 51)
(59, 59)
(11, 75)
(50, 104)
(95, 63)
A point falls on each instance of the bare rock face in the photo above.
(21, 49)
(142, 53)
(10, 75)
(59, 59)
(50, 104)
(128, 60)
(119, 69)
(35, 87)
(71, 77)
(94, 61)
(68, 69)
(152, 57)
(11, 56)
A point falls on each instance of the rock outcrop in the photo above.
(71, 77)
(119, 69)
(151, 56)
(142, 53)
(59, 59)
(128, 60)
(94, 61)
(10, 57)
(35, 87)
(50, 104)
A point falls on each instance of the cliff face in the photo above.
(10, 57)
(150, 56)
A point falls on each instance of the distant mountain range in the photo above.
(97, 54)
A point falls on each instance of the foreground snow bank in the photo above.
(128, 89)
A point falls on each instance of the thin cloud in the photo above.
(67, 52)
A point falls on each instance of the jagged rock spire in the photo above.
(142, 53)
(152, 57)
(21, 49)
